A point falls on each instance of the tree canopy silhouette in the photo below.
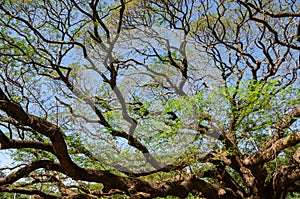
(150, 98)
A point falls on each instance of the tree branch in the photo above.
(270, 153)
(23, 172)
(6, 143)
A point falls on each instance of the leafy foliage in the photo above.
(150, 99)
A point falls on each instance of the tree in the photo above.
(145, 99)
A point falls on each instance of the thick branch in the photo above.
(28, 192)
(23, 172)
(270, 153)
(288, 120)
(6, 143)
(42, 126)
